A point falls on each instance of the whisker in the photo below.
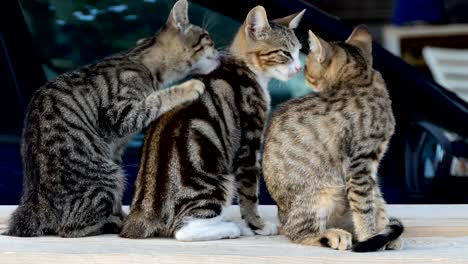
(211, 21)
(204, 22)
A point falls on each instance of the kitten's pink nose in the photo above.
(298, 69)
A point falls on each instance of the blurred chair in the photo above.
(437, 160)
(435, 165)
(449, 67)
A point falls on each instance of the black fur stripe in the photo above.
(200, 38)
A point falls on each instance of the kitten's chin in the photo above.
(284, 78)
(213, 65)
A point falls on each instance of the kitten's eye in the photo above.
(200, 39)
(287, 53)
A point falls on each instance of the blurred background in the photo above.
(421, 48)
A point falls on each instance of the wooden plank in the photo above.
(427, 240)
(419, 220)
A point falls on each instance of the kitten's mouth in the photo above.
(292, 74)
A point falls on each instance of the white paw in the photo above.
(233, 231)
(203, 230)
(269, 229)
(245, 230)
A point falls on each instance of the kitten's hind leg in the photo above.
(92, 223)
(381, 217)
(203, 229)
(361, 188)
(307, 222)
(382, 221)
(95, 213)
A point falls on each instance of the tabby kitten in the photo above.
(78, 126)
(322, 151)
(196, 157)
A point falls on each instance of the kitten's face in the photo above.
(199, 50)
(272, 47)
(187, 48)
(194, 45)
(328, 63)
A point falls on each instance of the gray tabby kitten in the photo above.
(197, 157)
(322, 151)
(78, 125)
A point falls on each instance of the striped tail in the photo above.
(392, 231)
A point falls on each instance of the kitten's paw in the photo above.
(234, 231)
(395, 244)
(136, 226)
(203, 230)
(245, 230)
(113, 225)
(193, 88)
(337, 239)
(269, 229)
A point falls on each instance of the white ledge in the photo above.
(434, 234)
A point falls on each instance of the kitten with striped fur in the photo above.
(197, 157)
(78, 125)
(322, 151)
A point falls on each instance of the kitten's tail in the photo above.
(391, 232)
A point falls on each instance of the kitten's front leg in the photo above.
(129, 116)
(247, 189)
(177, 95)
(361, 198)
(383, 220)
(247, 177)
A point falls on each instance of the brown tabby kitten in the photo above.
(196, 157)
(322, 151)
(78, 125)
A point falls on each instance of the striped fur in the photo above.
(322, 151)
(197, 157)
(78, 125)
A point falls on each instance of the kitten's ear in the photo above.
(319, 47)
(256, 23)
(361, 37)
(291, 21)
(178, 18)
